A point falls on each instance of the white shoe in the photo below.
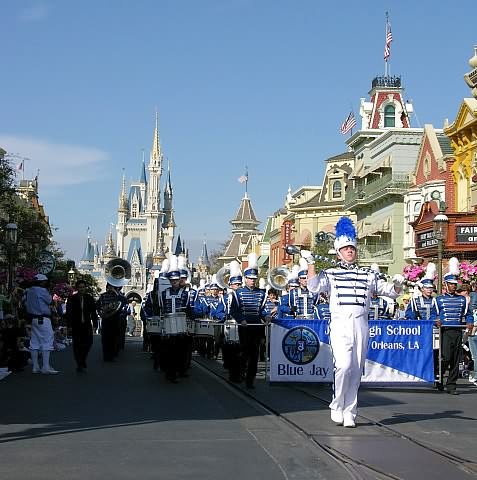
(35, 370)
(337, 416)
(348, 421)
(50, 371)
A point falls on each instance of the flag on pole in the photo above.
(348, 124)
(243, 178)
(20, 166)
(389, 39)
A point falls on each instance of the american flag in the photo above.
(389, 39)
(243, 178)
(348, 124)
(20, 166)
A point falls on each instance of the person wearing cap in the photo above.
(246, 308)
(452, 314)
(38, 302)
(349, 288)
(301, 302)
(231, 351)
(174, 351)
(286, 310)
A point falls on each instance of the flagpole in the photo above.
(385, 42)
(246, 181)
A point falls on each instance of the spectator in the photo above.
(400, 312)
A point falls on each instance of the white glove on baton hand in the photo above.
(306, 254)
(398, 280)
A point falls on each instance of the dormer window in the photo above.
(389, 116)
(337, 189)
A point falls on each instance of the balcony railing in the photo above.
(389, 184)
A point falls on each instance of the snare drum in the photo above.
(204, 327)
(154, 325)
(231, 332)
(175, 324)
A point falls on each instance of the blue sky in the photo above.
(262, 83)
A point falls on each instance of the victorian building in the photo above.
(385, 150)
(460, 193)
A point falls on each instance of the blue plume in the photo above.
(345, 228)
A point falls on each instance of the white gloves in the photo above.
(306, 254)
(398, 280)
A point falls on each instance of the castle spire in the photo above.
(123, 199)
(156, 154)
(142, 178)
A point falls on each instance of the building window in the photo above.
(389, 116)
(337, 189)
(134, 211)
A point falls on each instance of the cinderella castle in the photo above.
(145, 227)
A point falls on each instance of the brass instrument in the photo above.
(278, 277)
(222, 277)
(117, 272)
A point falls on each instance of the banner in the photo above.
(399, 352)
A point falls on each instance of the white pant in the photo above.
(349, 342)
(42, 336)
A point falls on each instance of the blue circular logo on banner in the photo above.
(301, 345)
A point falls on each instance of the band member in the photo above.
(112, 307)
(247, 308)
(349, 288)
(286, 309)
(378, 308)
(82, 319)
(452, 314)
(38, 303)
(423, 307)
(231, 349)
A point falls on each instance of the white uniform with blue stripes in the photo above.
(349, 289)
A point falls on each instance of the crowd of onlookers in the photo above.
(15, 330)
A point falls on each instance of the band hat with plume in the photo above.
(252, 269)
(452, 275)
(303, 272)
(292, 278)
(429, 276)
(345, 234)
(164, 268)
(213, 283)
(174, 272)
(235, 273)
(375, 268)
(182, 265)
(262, 284)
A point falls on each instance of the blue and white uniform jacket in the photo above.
(452, 310)
(269, 307)
(248, 304)
(421, 308)
(303, 300)
(323, 310)
(378, 309)
(349, 289)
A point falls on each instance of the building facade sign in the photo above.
(466, 233)
(426, 239)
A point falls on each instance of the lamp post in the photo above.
(11, 238)
(440, 225)
(71, 276)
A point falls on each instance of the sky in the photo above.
(263, 84)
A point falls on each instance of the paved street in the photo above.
(121, 420)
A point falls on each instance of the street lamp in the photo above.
(11, 238)
(440, 225)
(71, 276)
